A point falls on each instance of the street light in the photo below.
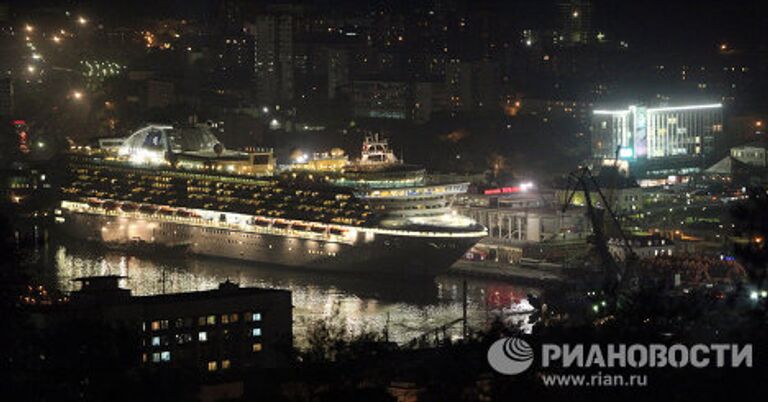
(81, 20)
(29, 28)
(56, 38)
(31, 69)
(77, 95)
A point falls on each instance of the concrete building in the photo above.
(472, 86)
(273, 57)
(237, 56)
(523, 218)
(658, 142)
(338, 70)
(574, 23)
(753, 154)
(747, 165)
(398, 100)
(159, 94)
(217, 330)
(6, 97)
(623, 193)
(647, 246)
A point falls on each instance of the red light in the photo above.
(19, 122)
(502, 190)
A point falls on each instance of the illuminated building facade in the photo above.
(643, 133)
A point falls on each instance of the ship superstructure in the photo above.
(181, 188)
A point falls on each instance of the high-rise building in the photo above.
(575, 22)
(472, 85)
(338, 70)
(160, 94)
(230, 16)
(6, 97)
(273, 57)
(640, 132)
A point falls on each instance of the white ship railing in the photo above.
(350, 231)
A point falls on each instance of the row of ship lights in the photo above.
(260, 221)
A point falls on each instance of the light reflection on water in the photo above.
(413, 306)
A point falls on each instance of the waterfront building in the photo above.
(658, 142)
(644, 246)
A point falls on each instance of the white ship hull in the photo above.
(358, 249)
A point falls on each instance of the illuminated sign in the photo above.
(626, 153)
(502, 190)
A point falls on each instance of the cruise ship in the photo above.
(169, 188)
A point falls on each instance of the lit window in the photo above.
(183, 338)
(202, 336)
(212, 366)
(256, 332)
(144, 357)
(234, 317)
(165, 356)
(201, 321)
(155, 325)
(256, 347)
(155, 341)
(155, 357)
(211, 320)
(225, 364)
(256, 317)
(224, 319)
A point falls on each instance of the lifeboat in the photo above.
(318, 229)
(166, 211)
(300, 226)
(261, 222)
(281, 225)
(110, 205)
(95, 203)
(184, 214)
(338, 231)
(148, 209)
(129, 207)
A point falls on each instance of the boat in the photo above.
(148, 209)
(522, 306)
(128, 207)
(382, 218)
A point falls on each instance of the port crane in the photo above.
(583, 180)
